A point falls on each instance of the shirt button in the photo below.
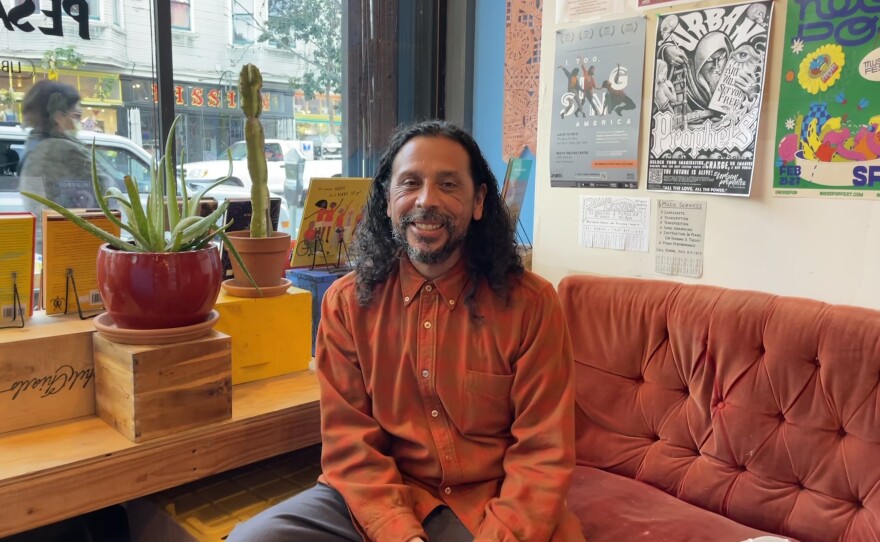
(406, 299)
(427, 325)
(447, 457)
(425, 373)
(448, 490)
(434, 413)
(429, 288)
(451, 302)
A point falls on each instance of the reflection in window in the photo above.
(180, 14)
(244, 27)
(117, 12)
(94, 7)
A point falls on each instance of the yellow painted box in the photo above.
(271, 336)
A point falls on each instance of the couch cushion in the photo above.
(762, 408)
(614, 508)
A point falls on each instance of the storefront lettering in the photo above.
(64, 377)
(200, 96)
(213, 98)
(197, 97)
(15, 17)
(16, 70)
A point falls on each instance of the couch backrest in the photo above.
(762, 408)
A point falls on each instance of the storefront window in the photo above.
(207, 96)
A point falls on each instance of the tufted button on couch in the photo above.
(706, 414)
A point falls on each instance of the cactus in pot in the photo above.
(263, 250)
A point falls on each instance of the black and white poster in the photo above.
(597, 104)
(709, 71)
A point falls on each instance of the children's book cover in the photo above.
(17, 233)
(69, 259)
(333, 208)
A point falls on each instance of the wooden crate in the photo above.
(46, 372)
(150, 391)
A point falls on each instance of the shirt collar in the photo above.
(449, 285)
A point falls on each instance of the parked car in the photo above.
(299, 173)
(203, 173)
(327, 147)
(117, 155)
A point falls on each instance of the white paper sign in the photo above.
(612, 222)
(576, 10)
(681, 229)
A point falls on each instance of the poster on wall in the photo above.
(706, 98)
(597, 91)
(828, 126)
(522, 75)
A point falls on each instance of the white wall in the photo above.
(827, 249)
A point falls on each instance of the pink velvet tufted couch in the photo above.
(706, 414)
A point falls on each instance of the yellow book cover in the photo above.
(66, 246)
(17, 234)
(333, 208)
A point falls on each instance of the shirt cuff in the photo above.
(396, 525)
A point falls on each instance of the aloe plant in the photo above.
(250, 82)
(184, 230)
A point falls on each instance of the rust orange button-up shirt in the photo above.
(423, 406)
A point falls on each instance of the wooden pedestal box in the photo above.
(150, 391)
(46, 372)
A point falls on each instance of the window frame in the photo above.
(190, 21)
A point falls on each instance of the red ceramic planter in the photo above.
(152, 290)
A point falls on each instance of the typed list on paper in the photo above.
(681, 230)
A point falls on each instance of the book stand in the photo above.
(17, 312)
(340, 248)
(71, 282)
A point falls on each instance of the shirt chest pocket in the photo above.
(486, 408)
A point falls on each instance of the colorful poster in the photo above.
(828, 127)
(522, 75)
(706, 100)
(516, 183)
(597, 95)
(332, 209)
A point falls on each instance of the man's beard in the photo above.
(454, 238)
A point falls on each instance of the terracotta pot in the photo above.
(152, 290)
(265, 258)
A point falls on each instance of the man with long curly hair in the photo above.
(440, 422)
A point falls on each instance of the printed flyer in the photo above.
(706, 101)
(827, 137)
(597, 95)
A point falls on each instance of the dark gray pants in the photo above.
(319, 514)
